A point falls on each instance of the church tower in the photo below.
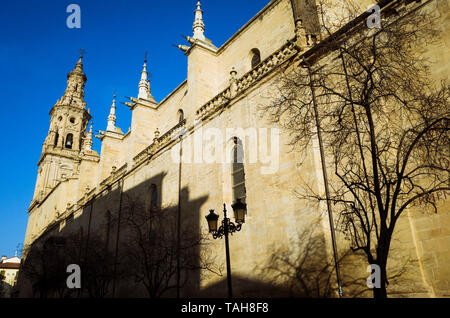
(63, 147)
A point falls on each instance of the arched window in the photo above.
(180, 115)
(69, 141)
(256, 57)
(237, 171)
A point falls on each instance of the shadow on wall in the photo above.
(128, 245)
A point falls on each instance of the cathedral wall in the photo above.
(438, 51)
(47, 212)
(269, 31)
(143, 125)
(88, 176)
(112, 154)
(273, 172)
(336, 13)
(430, 229)
(202, 81)
(168, 108)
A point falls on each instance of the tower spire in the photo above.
(199, 25)
(76, 81)
(112, 115)
(144, 83)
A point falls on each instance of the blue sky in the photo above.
(37, 50)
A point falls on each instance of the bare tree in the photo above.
(97, 265)
(152, 254)
(45, 266)
(383, 121)
(47, 259)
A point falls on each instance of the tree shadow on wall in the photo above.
(127, 245)
(303, 268)
(47, 260)
(161, 255)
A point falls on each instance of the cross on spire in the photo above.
(81, 51)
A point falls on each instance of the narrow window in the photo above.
(153, 192)
(256, 57)
(69, 141)
(56, 139)
(237, 171)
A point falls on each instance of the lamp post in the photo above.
(227, 227)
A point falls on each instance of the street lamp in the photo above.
(227, 227)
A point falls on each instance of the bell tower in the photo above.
(63, 147)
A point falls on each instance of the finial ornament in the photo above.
(155, 139)
(88, 140)
(82, 52)
(199, 25)
(144, 83)
(112, 115)
(233, 84)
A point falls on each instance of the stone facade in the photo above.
(77, 189)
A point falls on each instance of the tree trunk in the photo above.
(380, 293)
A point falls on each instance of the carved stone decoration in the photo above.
(233, 85)
(247, 80)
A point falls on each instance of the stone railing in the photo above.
(115, 174)
(144, 154)
(159, 143)
(171, 135)
(237, 86)
(118, 173)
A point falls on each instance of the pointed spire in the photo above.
(76, 81)
(144, 83)
(112, 115)
(199, 25)
(78, 67)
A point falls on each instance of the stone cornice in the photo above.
(202, 45)
(70, 107)
(90, 155)
(243, 28)
(65, 153)
(152, 104)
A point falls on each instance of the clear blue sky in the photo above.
(37, 50)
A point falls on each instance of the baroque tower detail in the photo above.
(62, 149)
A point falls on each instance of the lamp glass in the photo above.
(212, 219)
(240, 209)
